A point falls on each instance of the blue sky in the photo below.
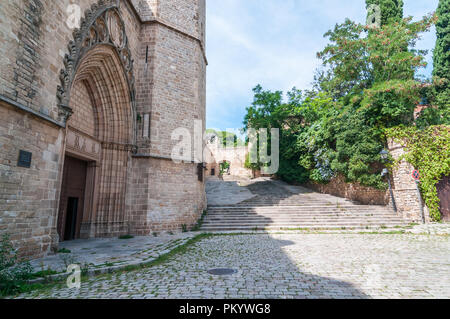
(274, 43)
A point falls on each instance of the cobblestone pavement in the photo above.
(431, 229)
(286, 266)
(110, 253)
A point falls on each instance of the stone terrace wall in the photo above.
(355, 192)
(404, 189)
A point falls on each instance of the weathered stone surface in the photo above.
(220, 192)
(405, 191)
(352, 191)
(110, 253)
(125, 193)
(287, 266)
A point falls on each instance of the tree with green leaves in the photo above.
(441, 58)
(226, 139)
(368, 86)
(391, 10)
(373, 72)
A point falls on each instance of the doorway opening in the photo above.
(72, 198)
(71, 218)
(443, 190)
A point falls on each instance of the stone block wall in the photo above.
(404, 186)
(163, 196)
(29, 196)
(355, 192)
(404, 189)
(34, 38)
(171, 94)
(166, 40)
(215, 154)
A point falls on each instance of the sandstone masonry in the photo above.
(106, 97)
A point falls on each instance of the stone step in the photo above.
(237, 220)
(299, 213)
(218, 208)
(309, 222)
(301, 226)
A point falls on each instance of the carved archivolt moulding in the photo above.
(102, 24)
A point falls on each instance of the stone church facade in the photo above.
(87, 115)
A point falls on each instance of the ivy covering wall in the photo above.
(428, 150)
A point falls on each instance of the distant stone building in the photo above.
(86, 117)
(235, 156)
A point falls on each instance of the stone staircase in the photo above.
(299, 211)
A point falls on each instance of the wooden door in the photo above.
(72, 198)
(443, 189)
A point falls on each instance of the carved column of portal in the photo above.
(90, 204)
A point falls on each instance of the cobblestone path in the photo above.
(286, 266)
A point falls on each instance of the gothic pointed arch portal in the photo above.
(96, 100)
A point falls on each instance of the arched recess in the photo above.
(96, 100)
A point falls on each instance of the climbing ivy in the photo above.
(428, 150)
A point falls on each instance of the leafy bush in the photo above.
(13, 274)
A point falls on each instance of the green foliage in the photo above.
(390, 103)
(125, 237)
(269, 110)
(199, 223)
(441, 60)
(224, 166)
(319, 137)
(357, 149)
(356, 59)
(13, 273)
(293, 172)
(441, 56)
(391, 10)
(368, 85)
(348, 69)
(226, 139)
(249, 165)
(428, 150)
